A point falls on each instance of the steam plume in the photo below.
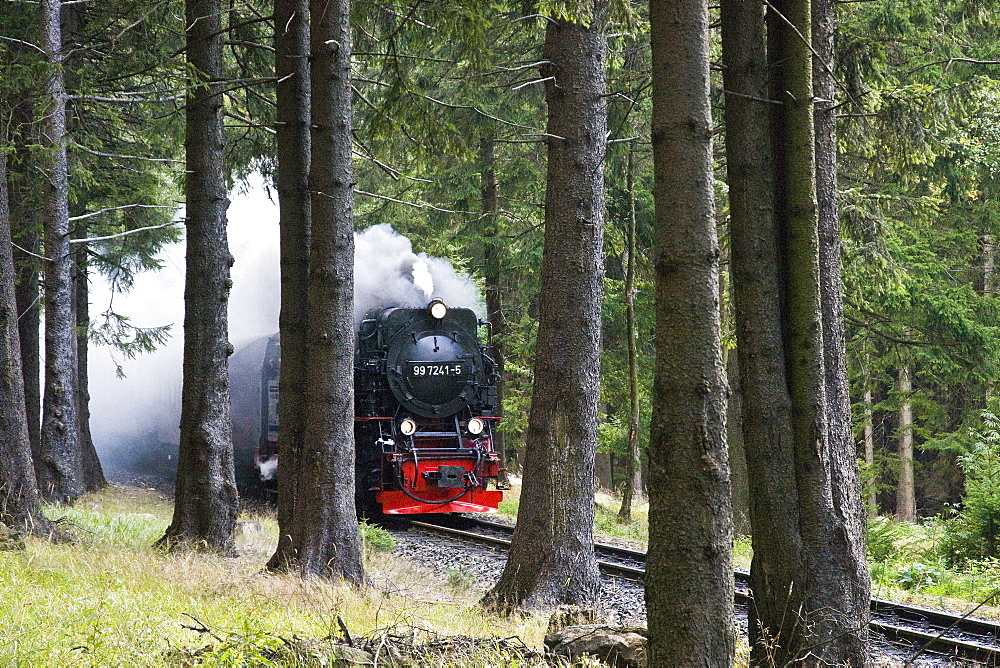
(135, 420)
(388, 273)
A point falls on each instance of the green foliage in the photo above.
(460, 580)
(917, 575)
(974, 529)
(118, 333)
(918, 161)
(376, 539)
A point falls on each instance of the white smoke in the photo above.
(388, 273)
(146, 404)
(422, 278)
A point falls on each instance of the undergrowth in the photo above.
(912, 562)
(110, 599)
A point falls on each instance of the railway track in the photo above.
(923, 630)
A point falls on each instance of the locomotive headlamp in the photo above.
(475, 426)
(437, 309)
(407, 427)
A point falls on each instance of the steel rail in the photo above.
(922, 628)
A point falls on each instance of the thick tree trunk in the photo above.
(689, 576)
(758, 302)
(19, 501)
(205, 501)
(906, 498)
(291, 67)
(632, 489)
(845, 529)
(551, 559)
(93, 473)
(58, 466)
(806, 578)
(325, 539)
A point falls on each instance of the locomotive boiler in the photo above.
(425, 404)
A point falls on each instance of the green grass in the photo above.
(112, 600)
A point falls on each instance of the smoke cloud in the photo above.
(388, 273)
(135, 420)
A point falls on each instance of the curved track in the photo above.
(922, 629)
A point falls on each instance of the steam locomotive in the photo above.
(425, 403)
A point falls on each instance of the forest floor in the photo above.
(111, 599)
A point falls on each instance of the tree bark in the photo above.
(90, 463)
(869, 446)
(326, 541)
(73, 31)
(989, 264)
(20, 507)
(493, 279)
(689, 576)
(58, 466)
(551, 559)
(205, 501)
(632, 489)
(27, 292)
(291, 66)
(846, 528)
(803, 510)
(738, 477)
(906, 498)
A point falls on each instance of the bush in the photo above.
(973, 531)
(918, 576)
(376, 539)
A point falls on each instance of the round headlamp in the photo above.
(407, 427)
(437, 309)
(476, 426)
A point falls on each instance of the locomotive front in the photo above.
(425, 402)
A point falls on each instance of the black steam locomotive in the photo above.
(425, 404)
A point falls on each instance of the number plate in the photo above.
(436, 369)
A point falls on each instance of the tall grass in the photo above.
(110, 599)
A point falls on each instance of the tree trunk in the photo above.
(737, 449)
(27, 293)
(73, 33)
(632, 488)
(846, 528)
(493, 279)
(689, 576)
(205, 501)
(58, 467)
(906, 498)
(19, 501)
(326, 541)
(291, 67)
(93, 473)
(805, 577)
(551, 559)
(869, 446)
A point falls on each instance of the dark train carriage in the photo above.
(425, 413)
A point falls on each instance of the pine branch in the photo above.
(116, 208)
(124, 157)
